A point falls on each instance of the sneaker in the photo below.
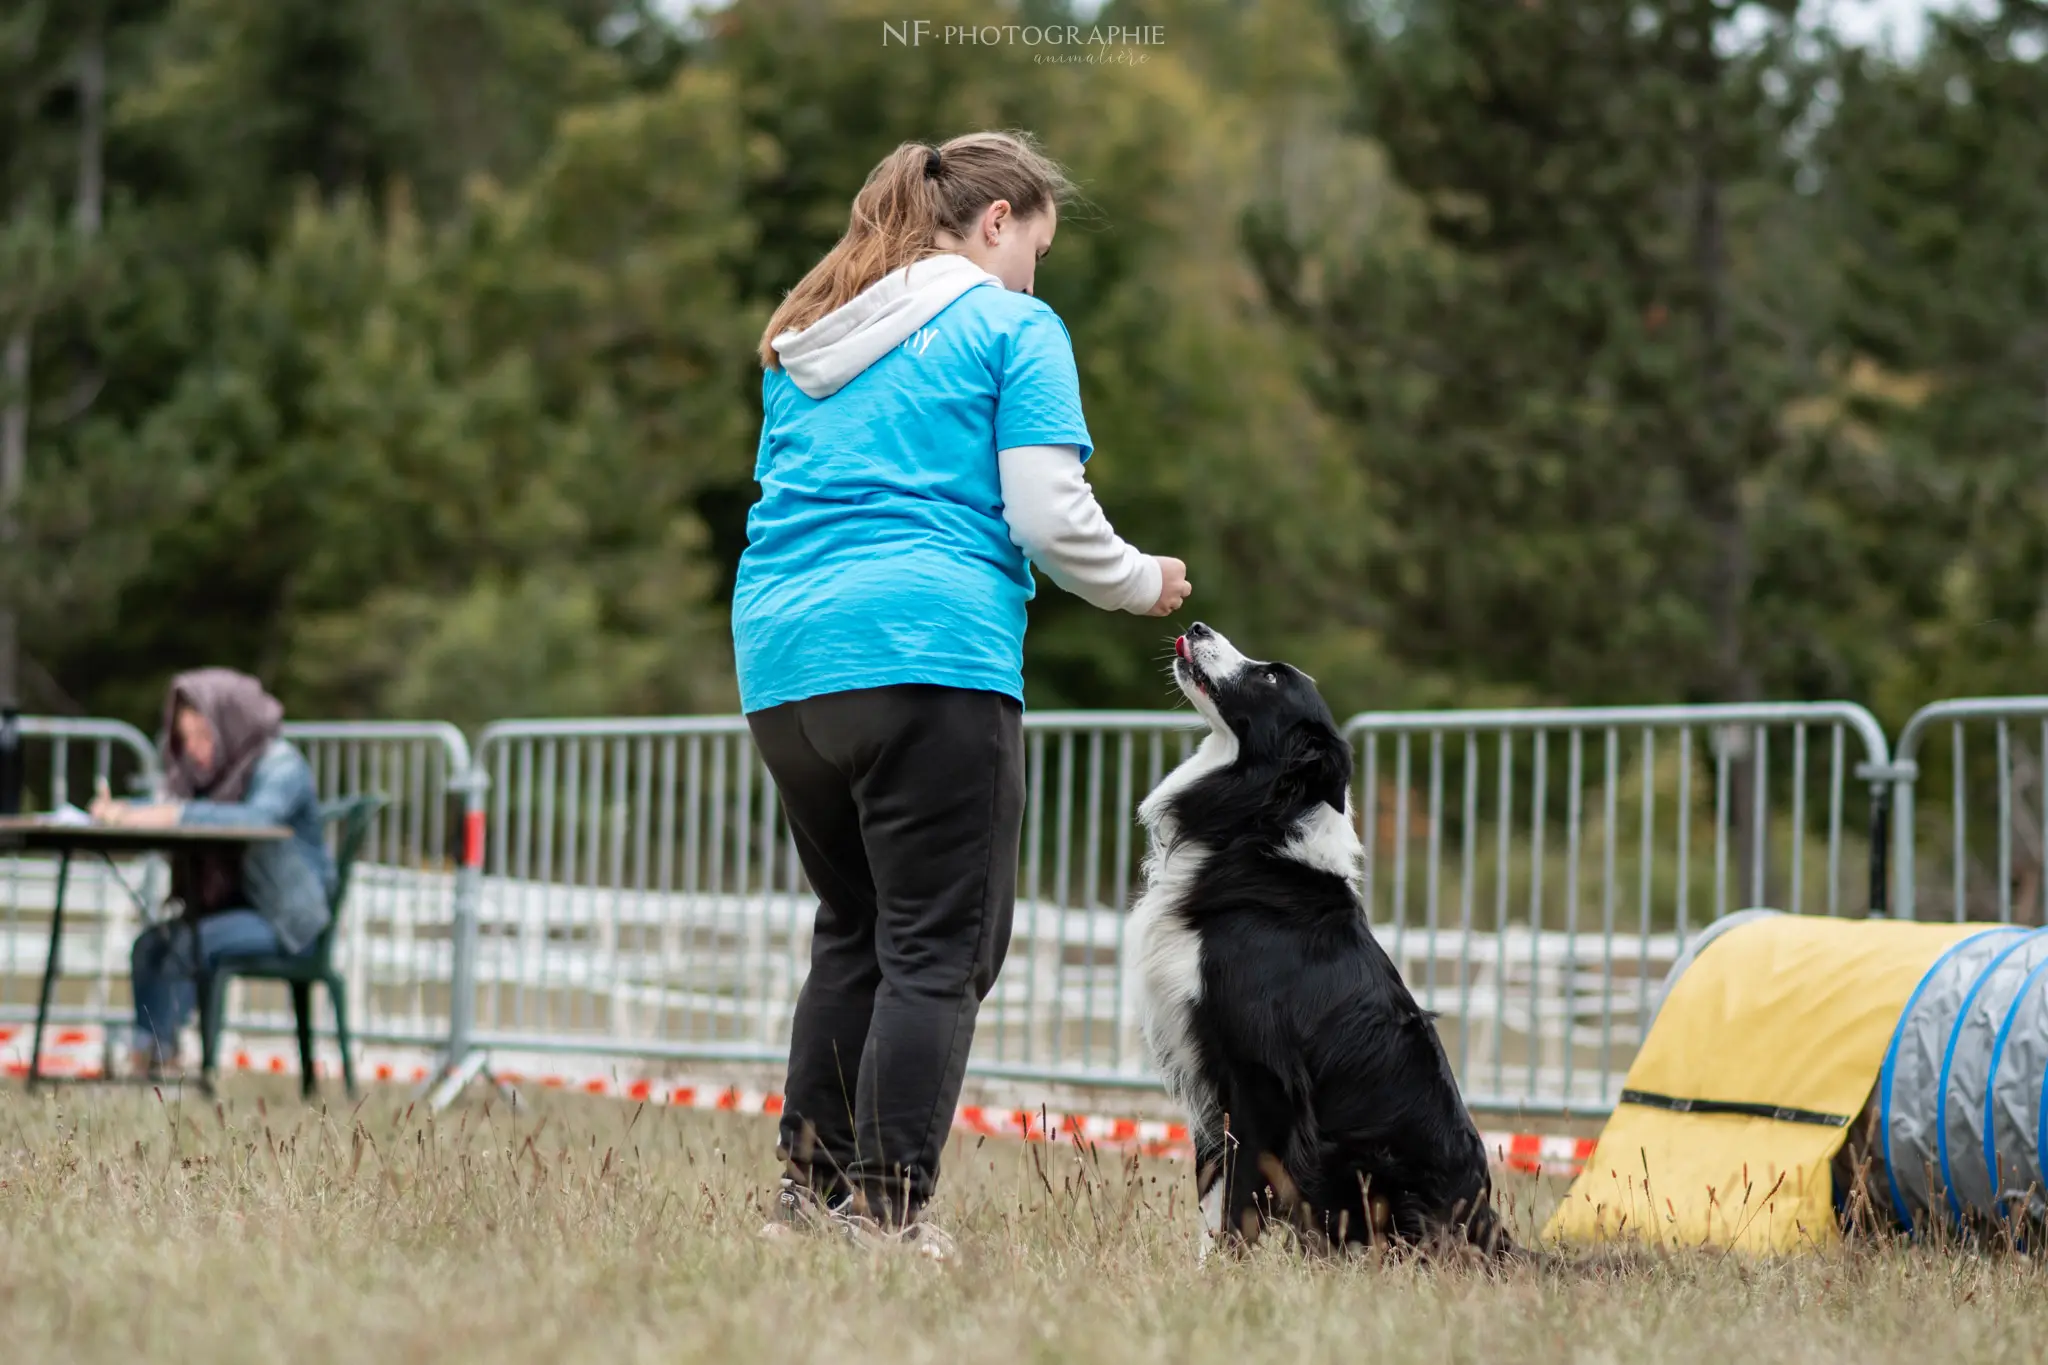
(921, 1237)
(799, 1211)
(928, 1240)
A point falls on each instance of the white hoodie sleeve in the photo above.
(1053, 517)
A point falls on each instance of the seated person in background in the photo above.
(224, 763)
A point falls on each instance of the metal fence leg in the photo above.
(1880, 848)
(462, 1062)
(1891, 837)
(1907, 776)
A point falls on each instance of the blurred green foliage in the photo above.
(1469, 351)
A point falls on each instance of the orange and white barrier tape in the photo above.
(1535, 1154)
(74, 1052)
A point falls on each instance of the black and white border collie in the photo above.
(1317, 1091)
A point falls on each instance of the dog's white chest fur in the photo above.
(1165, 949)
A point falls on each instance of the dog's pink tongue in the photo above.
(1180, 645)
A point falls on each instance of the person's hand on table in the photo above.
(104, 807)
(106, 810)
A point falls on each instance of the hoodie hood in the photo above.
(830, 353)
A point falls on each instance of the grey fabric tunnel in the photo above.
(1959, 1098)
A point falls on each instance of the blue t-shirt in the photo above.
(878, 553)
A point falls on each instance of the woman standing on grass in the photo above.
(921, 440)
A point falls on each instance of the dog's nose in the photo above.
(1198, 631)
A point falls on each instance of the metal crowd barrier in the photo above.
(635, 890)
(411, 889)
(642, 894)
(103, 906)
(1992, 868)
(1534, 873)
(400, 947)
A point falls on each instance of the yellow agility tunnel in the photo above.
(1773, 1034)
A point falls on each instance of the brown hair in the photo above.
(916, 191)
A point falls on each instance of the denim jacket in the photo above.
(288, 882)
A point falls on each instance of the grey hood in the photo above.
(830, 353)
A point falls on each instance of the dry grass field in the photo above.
(134, 1227)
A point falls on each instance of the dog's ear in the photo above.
(1319, 764)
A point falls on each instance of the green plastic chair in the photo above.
(302, 973)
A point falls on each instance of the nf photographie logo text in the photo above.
(918, 32)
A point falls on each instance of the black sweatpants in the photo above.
(906, 803)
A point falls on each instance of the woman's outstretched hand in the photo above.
(1174, 588)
